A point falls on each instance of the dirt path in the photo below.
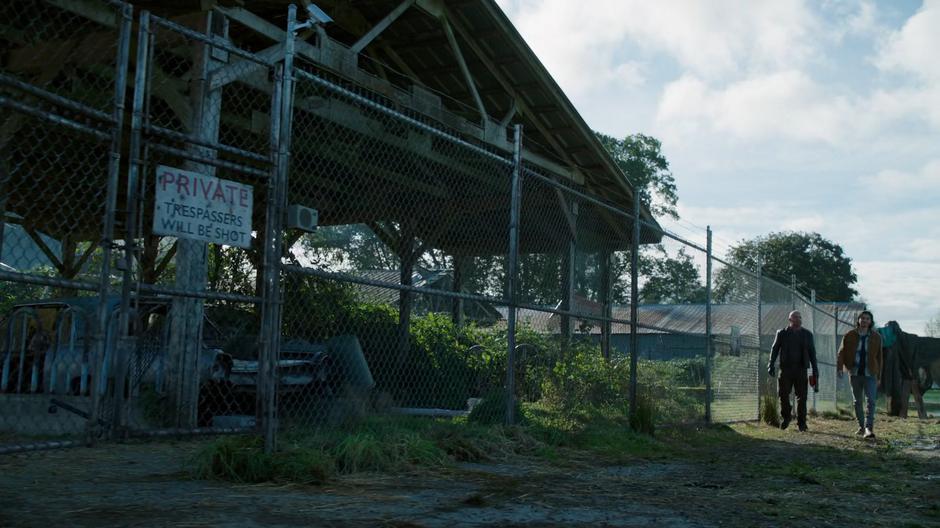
(748, 476)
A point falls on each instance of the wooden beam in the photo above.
(569, 217)
(269, 30)
(94, 11)
(77, 266)
(514, 91)
(43, 247)
(242, 68)
(381, 26)
(161, 266)
(504, 122)
(386, 233)
(468, 77)
(172, 91)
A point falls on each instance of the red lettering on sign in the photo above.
(182, 183)
(205, 187)
(167, 179)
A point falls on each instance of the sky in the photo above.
(775, 115)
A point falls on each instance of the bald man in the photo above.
(797, 352)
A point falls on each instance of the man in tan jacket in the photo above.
(860, 355)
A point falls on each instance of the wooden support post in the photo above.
(187, 314)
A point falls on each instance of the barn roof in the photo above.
(458, 63)
(422, 59)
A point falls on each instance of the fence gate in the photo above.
(203, 149)
(62, 77)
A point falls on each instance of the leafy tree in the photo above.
(351, 246)
(231, 269)
(641, 159)
(817, 263)
(672, 280)
(932, 328)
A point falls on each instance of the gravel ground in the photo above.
(749, 476)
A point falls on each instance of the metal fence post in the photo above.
(760, 317)
(281, 109)
(835, 344)
(634, 302)
(101, 355)
(812, 300)
(107, 239)
(511, 281)
(708, 325)
(793, 293)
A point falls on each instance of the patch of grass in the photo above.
(472, 443)
(642, 420)
(307, 466)
(838, 414)
(236, 459)
(601, 431)
(380, 444)
(699, 436)
(769, 412)
(363, 452)
(242, 459)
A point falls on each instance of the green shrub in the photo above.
(643, 418)
(306, 466)
(769, 412)
(584, 378)
(235, 459)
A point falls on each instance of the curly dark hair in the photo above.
(870, 315)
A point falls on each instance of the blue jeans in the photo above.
(870, 386)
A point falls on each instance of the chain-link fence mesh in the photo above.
(296, 252)
(198, 204)
(399, 287)
(61, 88)
(738, 346)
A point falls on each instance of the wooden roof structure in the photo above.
(457, 63)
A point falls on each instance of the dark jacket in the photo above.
(795, 349)
(846, 357)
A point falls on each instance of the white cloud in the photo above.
(750, 97)
(577, 40)
(893, 182)
(900, 291)
(912, 50)
(785, 104)
(914, 47)
(924, 250)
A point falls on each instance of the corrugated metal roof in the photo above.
(690, 318)
(438, 279)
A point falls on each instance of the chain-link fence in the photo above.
(269, 246)
(62, 91)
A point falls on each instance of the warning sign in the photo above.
(200, 207)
